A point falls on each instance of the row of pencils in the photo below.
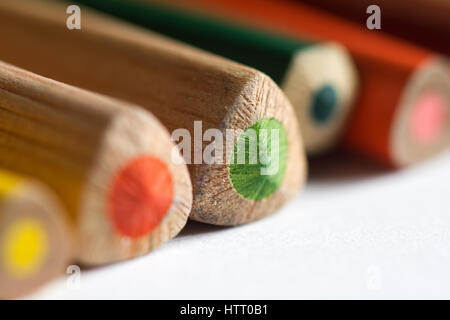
(87, 118)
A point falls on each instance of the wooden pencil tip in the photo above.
(268, 163)
(421, 126)
(140, 197)
(321, 84)
(35, 239)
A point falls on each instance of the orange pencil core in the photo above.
(141, 194)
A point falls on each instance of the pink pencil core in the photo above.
(429, 117)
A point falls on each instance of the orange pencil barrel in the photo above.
(425, 22)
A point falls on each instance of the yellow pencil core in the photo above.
(25, 247)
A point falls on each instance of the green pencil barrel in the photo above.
(264, 51)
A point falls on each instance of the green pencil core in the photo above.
(324, 104)
(259, 160)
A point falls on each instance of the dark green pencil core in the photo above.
(324, 104)
(259, 160)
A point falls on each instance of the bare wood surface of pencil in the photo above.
(177, 83)
(101, 156)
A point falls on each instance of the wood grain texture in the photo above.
(27, 202)
(179, 84)
(300, 67)
(76, 142)
(388, 69)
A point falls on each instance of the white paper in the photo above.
(355, 232)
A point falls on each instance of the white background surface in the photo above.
(355, 231)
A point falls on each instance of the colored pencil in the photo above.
(424, 22)
(35, 241)
(319, 79)
(180, 85)
(111, 164)
(402, 116)
(423, 13)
